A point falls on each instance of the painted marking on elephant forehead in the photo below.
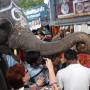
(7, 8)
(15, 10)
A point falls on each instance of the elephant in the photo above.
(15, 33)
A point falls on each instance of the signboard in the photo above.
(64, 8)
(82, 7)
(35, 24)
(37, 15)
(72, 8)
(37, 12)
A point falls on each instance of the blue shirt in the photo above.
(10, 60)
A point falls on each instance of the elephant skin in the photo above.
(15, 33)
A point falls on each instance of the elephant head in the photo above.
(15, 33)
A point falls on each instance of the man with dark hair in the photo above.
(74, 76)
(70, 56)
(57, 61)
(35, 67)
(33, 58)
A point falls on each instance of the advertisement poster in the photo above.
(82, 7)
(64, 8)
(72, 8)
(37, 16)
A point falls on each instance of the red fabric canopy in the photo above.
(84, 59)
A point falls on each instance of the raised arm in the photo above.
(52, 77)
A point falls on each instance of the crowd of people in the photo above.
(60, 71)
(40, 73)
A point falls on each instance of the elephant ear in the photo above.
(5, 30)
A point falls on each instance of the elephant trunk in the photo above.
(28, 42)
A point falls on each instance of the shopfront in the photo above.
(72, 15)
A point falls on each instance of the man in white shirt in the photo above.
(74, 76)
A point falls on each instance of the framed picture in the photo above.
(64, 8)
(72, 8)
(82, 7)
